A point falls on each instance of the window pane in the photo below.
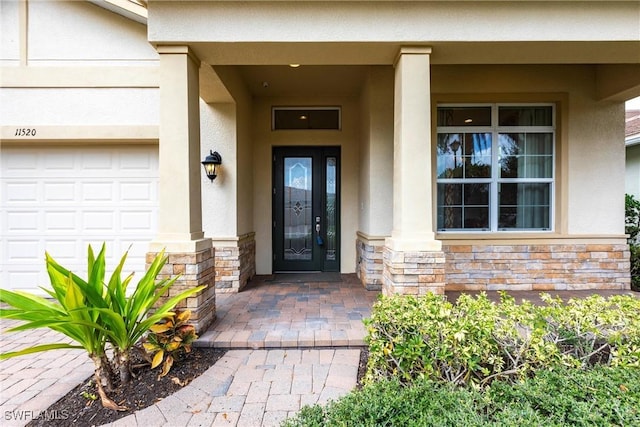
(476, 218)
(477, 155)
(449, 162)
(525, 116)
(464, 116)
(298, 242)
(476, 194)
(526, 155)
(465, 155)
(524, 206)
(331, 213)
(463, 206)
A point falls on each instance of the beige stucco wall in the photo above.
(227, 203)
(9, 33)
(72, 63)
(79, 106)
(376, 154)
(264, 139)
(65, 33)
(391, 20)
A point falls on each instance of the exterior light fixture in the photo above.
(210, 162)
(294, 65)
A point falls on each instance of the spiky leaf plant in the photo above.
(94, 313)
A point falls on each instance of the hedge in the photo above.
(475, 341)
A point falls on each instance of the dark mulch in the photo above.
(78, 407)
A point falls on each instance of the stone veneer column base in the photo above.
(413, 273)
(235, 263)
(369, 261)
(193, 269)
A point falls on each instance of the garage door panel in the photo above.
(97, 191)
(20, 164)
(63, 251)
(134, 221)
(136, 192)
(57, 161)
(98, 221)
(139, 161)
(25, 281)
(61, 199)
(59, 191)
(23, 250)
(20, 192)
(60, 221)
(91, 161)
(21, 221)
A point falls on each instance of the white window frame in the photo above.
(495, 130)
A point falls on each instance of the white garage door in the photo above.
(62, 199)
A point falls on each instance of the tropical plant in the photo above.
(94, 313)
(169, 339)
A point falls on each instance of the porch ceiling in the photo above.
(338, 69)
(309, 81)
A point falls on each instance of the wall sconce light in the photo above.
(210, 162)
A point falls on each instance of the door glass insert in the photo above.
(298, 203)
(331, 216)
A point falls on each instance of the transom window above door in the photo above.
(495, 167)
(306, 118)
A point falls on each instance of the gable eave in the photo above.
(131, 9)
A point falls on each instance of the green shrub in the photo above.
(565, 397)
(94, 313)
(632, 228)
(475, 341)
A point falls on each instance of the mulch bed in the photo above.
(79, 407)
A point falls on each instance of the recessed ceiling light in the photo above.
(303, 117)
(468, 120)
(294, 65)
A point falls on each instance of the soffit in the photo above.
(308, 81)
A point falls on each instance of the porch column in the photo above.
(180, 209)
(413, 259)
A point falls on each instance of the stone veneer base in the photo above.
(413, 273)
(369, 262)
(193, 269)
(537, 267)
(235, 264)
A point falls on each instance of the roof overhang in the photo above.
(131, 9)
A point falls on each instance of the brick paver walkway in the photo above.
(30, 384)
(291, 314)
(255, 388)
